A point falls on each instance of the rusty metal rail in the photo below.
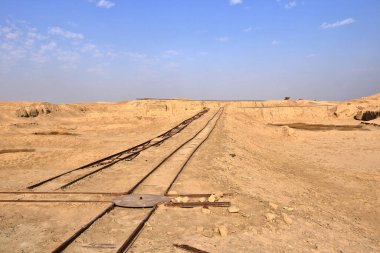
(195, 150)
(64, 193)
(129, 242)
(189, 248)
(167, 157)
(112, 160)
(133, 236)
(136, 232)
(195, 204)
(128, 154)
(196, 195)
(51, 201)
(66, 243)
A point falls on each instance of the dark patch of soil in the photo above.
(321, 127)
(4, 151)
(54, 133)
(367, 115)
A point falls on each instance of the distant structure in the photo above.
(286, 98)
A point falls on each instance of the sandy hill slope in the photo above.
(348, 109)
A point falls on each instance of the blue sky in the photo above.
(112, 50)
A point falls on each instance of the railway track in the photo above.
(115, 228)
(111, 225)
(69, 178)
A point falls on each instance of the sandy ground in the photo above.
(303, 189)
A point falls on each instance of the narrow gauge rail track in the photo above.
(46, 197)
(125, 155)
(171, 166)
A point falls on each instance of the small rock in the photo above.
(212, 198)
(200, 229)
(208, 233)
(270, 216)
(177, 200)
(185, 199)
(288, 208)
(287, 131)
(232, 155)
(223, 230)
(206, 210)
(203, 199)
(233, 209)
(219, 195)
(287, 219)
(273, 205)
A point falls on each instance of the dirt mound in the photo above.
(44, 108)
(282, 113)
(34, 110)
(372, 97)
(367, 115)
(162, 107)
(358, 107)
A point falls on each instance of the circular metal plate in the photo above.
(140, 200)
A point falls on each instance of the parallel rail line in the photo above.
(135, 233)
(124, 155)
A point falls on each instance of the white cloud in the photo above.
(9, 33)
(32, 36)
(339, 23)
(64, 33)
(39, 58)
(234, 2)
(142, 59)
(12, 35)
(248, 29)
(136, 56)
(170, 53)
(91, 49)
(275, 42)
(15, 54)
(223, 39)
(88, 47)
(50, 46)
(45, 53)
(30, 45)
(291, 5)
(35, 36)
(287, 4)
(105, 4)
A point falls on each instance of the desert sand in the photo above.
(301, 176)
